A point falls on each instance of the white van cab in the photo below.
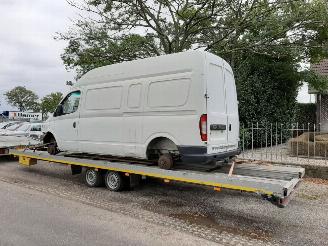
(180, 106)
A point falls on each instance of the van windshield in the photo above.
(71, 103)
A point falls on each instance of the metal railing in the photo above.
(281, 142)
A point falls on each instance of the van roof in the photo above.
(186, 61)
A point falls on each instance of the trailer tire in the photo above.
(93, 178)
(165, 161)
(114, 181)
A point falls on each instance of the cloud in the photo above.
(29, 55)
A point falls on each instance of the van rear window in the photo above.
(170, 93)
(104, 98)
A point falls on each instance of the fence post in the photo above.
(271, 141)
(252, 141)
(325, 153)
(297, 128)
(281, 125)
(292, 142)
(276, 140)
(308, 142)
(257, 136)
(244, 129)
(261, 151)
(314, 140)
(266, 141)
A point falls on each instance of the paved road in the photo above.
(180, 210)
(32, 218)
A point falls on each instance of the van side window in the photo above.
(71, 102)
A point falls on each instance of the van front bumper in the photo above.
(198, 154)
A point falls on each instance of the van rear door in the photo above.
(217, 118)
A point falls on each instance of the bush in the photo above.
(267, 89)
(305, 113)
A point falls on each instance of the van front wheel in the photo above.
(165, 161)
(52, 147)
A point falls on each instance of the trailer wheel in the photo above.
(114, 181)
(165, 161)
(93, 178)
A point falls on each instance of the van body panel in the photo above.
(65, 127)
(232, 110)
(216, 108)
(69, 140)
(123, 107)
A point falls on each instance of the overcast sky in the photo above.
(29, 56)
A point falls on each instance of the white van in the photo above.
(180, 106)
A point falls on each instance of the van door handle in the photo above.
(74, 124)
(229, 127)
(220, 127)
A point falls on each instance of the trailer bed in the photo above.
(272, 181)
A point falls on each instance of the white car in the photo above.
(12, 127)
(16, 130)
(35, 131)
(32, 130)
(180, 106)
(4, 125)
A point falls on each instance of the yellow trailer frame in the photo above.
(275, 182)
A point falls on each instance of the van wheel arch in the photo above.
(48, 137)
(161, 145)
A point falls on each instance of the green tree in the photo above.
(264, 41)
(50, 102)
(22, 98)
(124, 30)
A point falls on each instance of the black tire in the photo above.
(52, 147)
(165, 161)
(114, 181)
(93, 178)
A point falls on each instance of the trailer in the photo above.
(275, 183)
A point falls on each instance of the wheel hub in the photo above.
(91, 177)
(112, 181)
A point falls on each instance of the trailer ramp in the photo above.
(273, 182)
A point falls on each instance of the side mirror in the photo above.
(59, 110)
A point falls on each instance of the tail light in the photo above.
(203, 127)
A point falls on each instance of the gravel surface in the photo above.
(227, 217)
